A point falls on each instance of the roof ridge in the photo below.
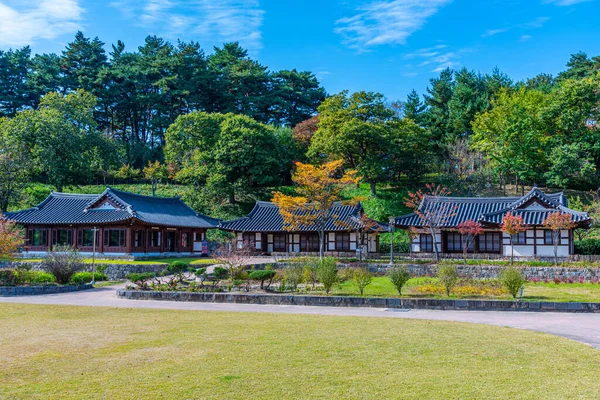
(117, 191)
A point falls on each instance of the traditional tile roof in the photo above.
(265, 217)
(534, 207)
(84, 209)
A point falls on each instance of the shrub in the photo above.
(293, 275)
(81, 278)
(220, 273)
(63, 262)
(448, 275)
(141, 279)
(398, 275)
(327, 273)
(177, 268)
(201, 274)
(8, 277)
(512, 279)
(587, 246)
(310, 271)
(262, 276)
(38, 277)
(361, 278)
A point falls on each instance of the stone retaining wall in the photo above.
(485, 271)
(492, 271)
(339, 301)
(34, 290)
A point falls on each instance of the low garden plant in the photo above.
(327, 273)
(448, 275)
(513, 280)
(24, 276)
(398, 275)
(263, 276)
(63, 262)
(361, 278)
(141, 279)
(81, 278)
(293, 275)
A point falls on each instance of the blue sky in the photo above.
(389, 46)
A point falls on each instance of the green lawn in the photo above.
(382, 287)
(149, 261)
(60, 352)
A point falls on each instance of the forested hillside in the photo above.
(222, 130)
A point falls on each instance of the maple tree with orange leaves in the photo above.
(512, 225)
(11, 238)
(468, 230)
(317, 189)
(556, 222)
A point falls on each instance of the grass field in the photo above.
(149, 261)
(381, 286)
(60, 352)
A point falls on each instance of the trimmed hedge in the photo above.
(587, 247)
(21, 276)
(81, 278)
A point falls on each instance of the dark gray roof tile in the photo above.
(265, 217)
(491, 210)
(78, 209)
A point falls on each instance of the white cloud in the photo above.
(438, 58)
(493, 32)
(386, 22)
(214, 21)
(537, 23)
(566, 2)
(525, 38)
(26, 22)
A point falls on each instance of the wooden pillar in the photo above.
(101, 233)
(534, 241)
(145, 240)
(128, 240)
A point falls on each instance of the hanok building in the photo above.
(348, 230)
(123, 224)
(534, 208)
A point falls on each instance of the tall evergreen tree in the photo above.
(15, 96)
(414, 107)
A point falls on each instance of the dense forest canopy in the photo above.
(231, 129)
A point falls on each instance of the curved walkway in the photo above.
(583, 328)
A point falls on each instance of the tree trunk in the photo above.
(322, 244)
(512, 249)
(232, 197)
(434, 242)
(373, 186)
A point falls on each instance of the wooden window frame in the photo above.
(277, 241)
(44, 236)
(342, 241)
(550, 241)
(425, 243)
(519, 239)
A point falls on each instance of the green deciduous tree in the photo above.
(224, 154)
(513, 135)
(61, 137)
(366, 134)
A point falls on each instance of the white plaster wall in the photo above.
(548, 250)
(520, 251)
